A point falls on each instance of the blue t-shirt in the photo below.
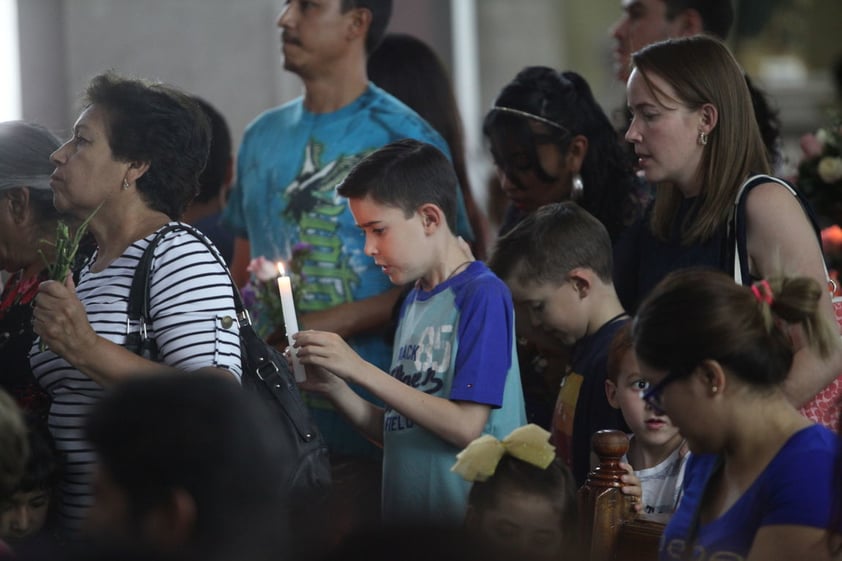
(289, 164)
(796, 488)
(456, 342)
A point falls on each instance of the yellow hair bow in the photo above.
(478, 461)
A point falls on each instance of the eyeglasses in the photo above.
(654, 396)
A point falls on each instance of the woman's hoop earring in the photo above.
(578, 189)
(703, 138)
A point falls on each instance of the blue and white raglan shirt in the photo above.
(191, 305)
(456, 342)
(289, 164)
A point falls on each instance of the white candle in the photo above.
(290, 321)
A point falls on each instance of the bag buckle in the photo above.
(243, 318)
(267, 369)
(141, 328)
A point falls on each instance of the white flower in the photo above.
(830, 169)
(823, 136)
(263, 269)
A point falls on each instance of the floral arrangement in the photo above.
(65, 253)
(66, 248)
(820, 170)
(261, 296)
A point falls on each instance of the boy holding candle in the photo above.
(454, 373)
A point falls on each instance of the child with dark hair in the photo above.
(454, 371)
(522, 503)
(187, 467)
(656, 449)
(759, 482)
(26, 514)
(558, 262)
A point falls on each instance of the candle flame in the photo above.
(281, 270)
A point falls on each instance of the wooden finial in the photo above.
(609, 446)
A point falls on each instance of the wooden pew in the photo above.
(610, 529)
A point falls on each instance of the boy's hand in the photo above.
(328, 351)
(319, 380)
(631, 486)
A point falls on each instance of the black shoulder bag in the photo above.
(265, 374)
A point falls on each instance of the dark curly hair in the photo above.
(155, 123)
(565, 98)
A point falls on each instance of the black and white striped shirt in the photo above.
(192, 309)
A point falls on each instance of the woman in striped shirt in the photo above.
(133, 162)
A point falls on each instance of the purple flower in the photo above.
(301, 247)
(249, 296)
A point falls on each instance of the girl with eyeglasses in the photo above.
(759, 484)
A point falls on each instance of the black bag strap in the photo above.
(139, 294)
(254, 347)
(738, 230)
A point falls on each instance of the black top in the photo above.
(593, 412)
(642, 260)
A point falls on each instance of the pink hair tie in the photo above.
(762, 291)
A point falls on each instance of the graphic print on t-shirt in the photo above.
(427, 361)
(313, 204)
